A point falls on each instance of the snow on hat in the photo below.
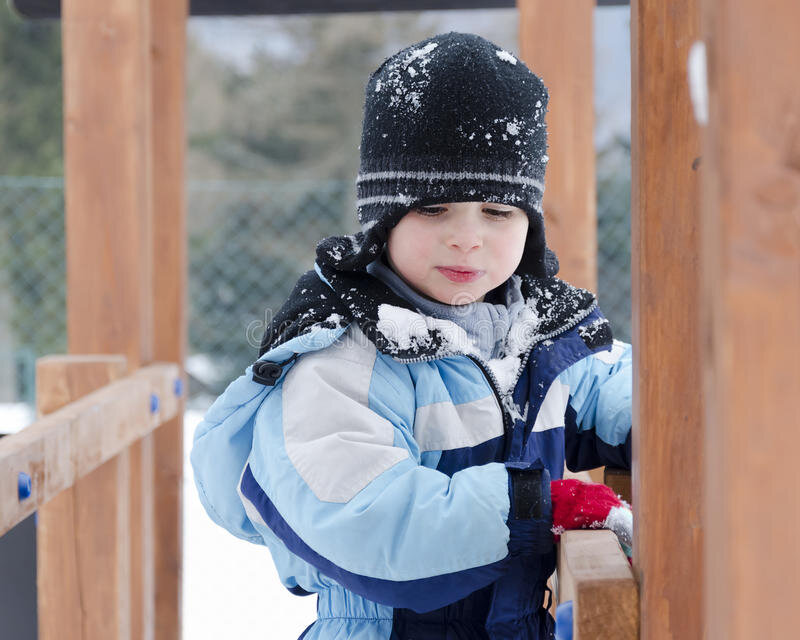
(453, 118)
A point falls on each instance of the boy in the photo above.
(395, 442)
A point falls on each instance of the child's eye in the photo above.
(497, 213)
(429, 211)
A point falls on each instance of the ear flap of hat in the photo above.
(355, 252)
(538, 260)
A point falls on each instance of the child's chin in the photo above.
(460, 295)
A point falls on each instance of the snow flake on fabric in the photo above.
(596, 334)
(506, 56)
(407, 78)
(513, 409)
(421, 54)
(503, 127)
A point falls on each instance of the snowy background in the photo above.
(231, 587)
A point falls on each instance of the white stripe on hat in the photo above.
(384, 200)
(449, 175)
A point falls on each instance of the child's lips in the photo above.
(460, 274)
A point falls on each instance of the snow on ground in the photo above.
(14, 416)
(230, 587)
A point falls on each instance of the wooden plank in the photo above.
(107, 187)
(594, 573)
(168, 20)
(556, 41)
(142, 549)
(62, 379)
(619, 480)
(553, 580)
(108, 198)
(750, 261)
(583, 476)
(667, 404)
(67, 444)
(82, 543)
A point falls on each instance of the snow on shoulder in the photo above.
(408, 330)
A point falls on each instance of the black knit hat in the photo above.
(453, 118)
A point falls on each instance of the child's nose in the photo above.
(465, 237)
(464, 232)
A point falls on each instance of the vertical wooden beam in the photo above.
(665, 253)
(108, 171)
(556, 41)
(751, 335)
(82, 538)
(169, 293)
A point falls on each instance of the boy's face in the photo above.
(455, 252)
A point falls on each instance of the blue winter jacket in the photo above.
(401, 479)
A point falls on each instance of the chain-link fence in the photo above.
(32, 280)
(614, 236)
(248, 243)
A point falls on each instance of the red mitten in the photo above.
(584, 505)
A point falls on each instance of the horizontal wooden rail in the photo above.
(69, 443)
(595, 575)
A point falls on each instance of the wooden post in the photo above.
(82, 539)
(665, 254)
(109, 239)
(750, 263)
(169, 292)
(595, 575)
(556, 41)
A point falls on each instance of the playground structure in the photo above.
(716, 291)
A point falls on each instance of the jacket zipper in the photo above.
(507, 426)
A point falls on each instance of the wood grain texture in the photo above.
(108, 153)
(69, 443)
(751, 335)
(168, 20)
(82, 537)
(594, 573)
(556, 41)
(667, 403)
(619, 480)
(107, 177)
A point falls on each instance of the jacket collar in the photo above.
(330, 298)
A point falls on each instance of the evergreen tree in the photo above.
(30, 96)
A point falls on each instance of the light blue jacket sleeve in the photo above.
(598, 417)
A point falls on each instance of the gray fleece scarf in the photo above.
(485, 323)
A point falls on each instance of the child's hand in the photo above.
(583, 505)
